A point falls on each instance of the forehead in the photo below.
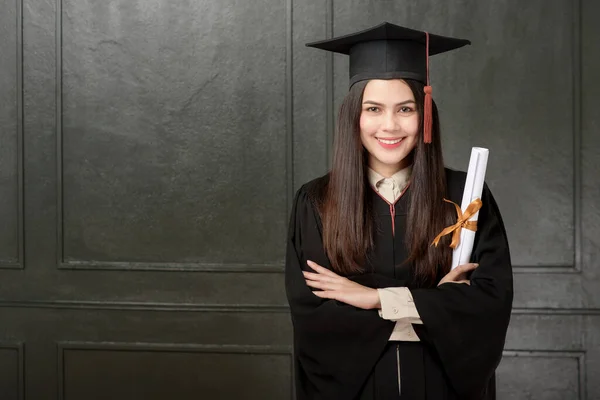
(393, 90)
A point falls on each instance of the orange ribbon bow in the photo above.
(462, 222)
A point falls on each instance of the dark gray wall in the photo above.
(150, 149)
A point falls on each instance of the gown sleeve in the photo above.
(336, 345)
(467, 324)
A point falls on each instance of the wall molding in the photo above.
(19, 347)
(19, 263)
(63, 346)
(329, 95)
(66, 264)
(576, 80)
(144, 306)
(289, 107)
(170, 266)
(226, 308)
(577, 355)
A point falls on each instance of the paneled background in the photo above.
(150, 151)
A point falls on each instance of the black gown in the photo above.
(343, 352)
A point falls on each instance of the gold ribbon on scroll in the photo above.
(462, 222)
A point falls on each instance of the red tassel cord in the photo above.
(427, 116)
(427, 107)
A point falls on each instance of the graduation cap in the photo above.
(389, 51)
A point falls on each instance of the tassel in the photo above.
(427, 111)
(427, 116)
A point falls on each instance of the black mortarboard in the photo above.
(389, 51)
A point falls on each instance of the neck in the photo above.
(387, 170)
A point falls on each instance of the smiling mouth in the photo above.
(390, 141)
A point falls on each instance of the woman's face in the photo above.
(389, 124)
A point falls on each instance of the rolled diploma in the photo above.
(473, 189)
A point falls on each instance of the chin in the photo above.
(390, 160)
(394, 163)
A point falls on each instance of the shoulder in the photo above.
(455, 176)
(314, 190)
(455, 183)
(307, 201)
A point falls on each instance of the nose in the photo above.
(389, 122)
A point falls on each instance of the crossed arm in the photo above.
(332, 286)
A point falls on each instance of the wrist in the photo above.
(376, 300)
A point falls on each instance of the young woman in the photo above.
(377, 313)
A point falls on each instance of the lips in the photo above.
(390, 143)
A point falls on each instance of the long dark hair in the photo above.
(347, 215)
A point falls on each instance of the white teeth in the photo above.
(390, 141)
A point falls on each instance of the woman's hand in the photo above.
(459, 274)
(335, 287)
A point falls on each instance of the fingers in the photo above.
(461, 269)
(465, 281)
(314, 276)
(321, 285)
(323, 279)
(321, 270)
(310, 276)
(325, 294)
(458, 274)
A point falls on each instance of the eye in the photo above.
(405, 109)
(373, 109)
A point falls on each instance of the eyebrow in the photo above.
(381, 105)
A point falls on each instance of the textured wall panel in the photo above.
(539, 376)
(590, 194)
(548, 290)
(546, 332)
(160, 373)
(310, 97)
(187, 288)
(489, 95)
(174, 131)
(10, 371)
(592, 357)
(9, 155)
(152, 323)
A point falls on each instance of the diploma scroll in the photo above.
(473, 190)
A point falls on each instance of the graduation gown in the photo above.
(343, 352)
